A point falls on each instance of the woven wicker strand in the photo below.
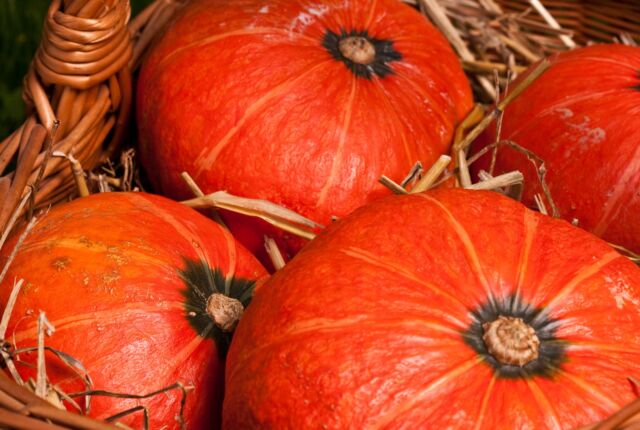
(22, 409)
(591, 20)
(78, 93)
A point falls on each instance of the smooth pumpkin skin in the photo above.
(363, 328)
(580, 117)
(105, 270)
(244, 97)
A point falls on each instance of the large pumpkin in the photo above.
(581, 118)
(301, 103)
(453, 309)
(135, 286)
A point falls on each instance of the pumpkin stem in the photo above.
(511, 341)
(224, 311)
(357, 49)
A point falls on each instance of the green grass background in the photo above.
(20, 31)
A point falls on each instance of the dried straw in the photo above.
(274, 253)
(276, 215)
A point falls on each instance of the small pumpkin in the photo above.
(451, 309)
(137, 287)
(301, 103)
(580, 118)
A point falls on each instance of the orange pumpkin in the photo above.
(301, 103)
(580, 117)
(451, 309)
(136, 288)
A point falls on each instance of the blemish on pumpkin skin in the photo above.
(60, 263)
(85, 241)
(114, 254)
(304, 19)
(564, 112)
(110, 277)
(318, 10)
(588, 134)
(66, 217)
(51, 245)
(622, 293)
(27, 287)
(580, 133)
(143, 245)
(119, 259)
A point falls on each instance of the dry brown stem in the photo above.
(438, 15)
(16, 248)
(197, 191)
(488, 67)
(510, 184)
(625, 419)
(519, 48)
(549, 19)
(542, 208)
(635, 258)
(115, 176)
(6, 317)
(538, 164)
(392, 185)
(184, 389)
(274, 253)
(412, 176)
(501, 181)
(44, 328)
(540, 68)
(463, 169)
(77, 171)
(434, 172)
(276, 215)
(460, 146)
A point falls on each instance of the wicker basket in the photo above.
(78, 91)
(591, 20)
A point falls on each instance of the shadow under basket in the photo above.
(78, 93)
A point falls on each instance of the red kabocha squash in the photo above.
(301, 103)
(450, 309)
(136, 287)
(580, 117)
